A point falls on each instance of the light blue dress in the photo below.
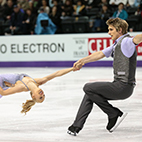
(11, 78)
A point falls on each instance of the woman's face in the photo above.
(30, 4)
(28, 12)
(104, 8)
(104, 1)
(55, 3)
(43, 2)
(79, 3)
(9, 3)
(120, 7)
(67, 2)
(54, 9)
(38, 95)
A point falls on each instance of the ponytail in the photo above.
(27, 106)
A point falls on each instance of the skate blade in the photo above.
(71, 133)
(118, 123)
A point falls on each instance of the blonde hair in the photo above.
(27, 106)
(118, 23)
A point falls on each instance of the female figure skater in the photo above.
(15, 83)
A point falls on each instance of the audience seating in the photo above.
(67, 25)
(134, 22)
(81, 24)
(75, 24)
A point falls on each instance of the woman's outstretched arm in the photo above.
(43, 80)
(12, 90)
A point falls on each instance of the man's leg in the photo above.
(99, 93)
(83, 112)
(87, 104)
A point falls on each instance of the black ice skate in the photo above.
(115, 122)
(73, 130)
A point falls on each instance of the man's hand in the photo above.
(78, 65)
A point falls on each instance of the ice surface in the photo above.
(48, 122)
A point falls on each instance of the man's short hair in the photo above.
(118, 23)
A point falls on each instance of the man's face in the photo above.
(113, 33)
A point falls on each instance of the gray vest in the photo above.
(124, 68)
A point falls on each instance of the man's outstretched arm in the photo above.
(91, 58)
(137, 39)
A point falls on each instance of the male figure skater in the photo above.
(124, 56)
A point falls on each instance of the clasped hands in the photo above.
(78, 65)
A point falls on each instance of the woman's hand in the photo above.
(78, 65)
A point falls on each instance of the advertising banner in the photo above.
(54, 48)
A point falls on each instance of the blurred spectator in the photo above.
(55, 17)
(8, 11)
(100, 21)
(33, 8)
(24, 4)
(56, 3)
(67, 8)
(121, 13)
(79, 9)
(51, 3)
(133, 3)
(103, 2)
(3, 2)
(29, 22)
(116, 2)
(62, 2)
(91, 3)
(15, 22)
(74, 2)
(19, 5)
(45, 7)
(2, 8)
(35, 2)
(49, 29)
(137, 3)
(138, 12)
